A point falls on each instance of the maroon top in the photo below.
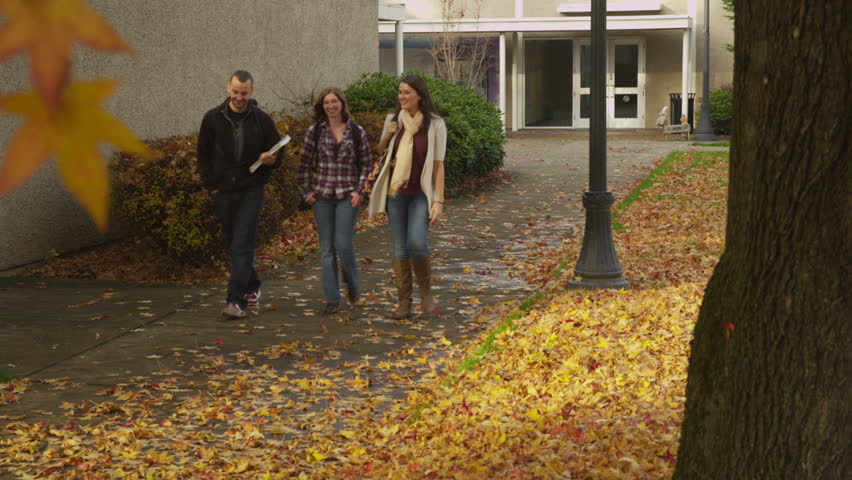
(418, 160)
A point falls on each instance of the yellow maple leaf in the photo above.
(129, 453)
(73, 134)
(48, 29)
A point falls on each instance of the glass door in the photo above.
(625, 83)
(582, 83)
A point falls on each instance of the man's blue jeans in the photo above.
(239, 212)
(409, 219)
(336, 226)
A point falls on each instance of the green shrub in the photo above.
(163, 198)
(722, 110)
(475, 139)
(373, 92)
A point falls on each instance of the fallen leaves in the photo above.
(585, 385)
(11, 390)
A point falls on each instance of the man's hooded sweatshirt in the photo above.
(229, 143)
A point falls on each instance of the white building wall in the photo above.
(664, 56)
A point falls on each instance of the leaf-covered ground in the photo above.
(570, 384)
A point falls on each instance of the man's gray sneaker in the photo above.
(233, 310)
(253, 299)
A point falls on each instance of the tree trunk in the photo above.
(768, 391)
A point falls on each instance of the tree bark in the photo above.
(768, 391)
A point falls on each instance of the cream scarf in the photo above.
(402, 167)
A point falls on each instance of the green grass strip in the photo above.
(529, 303)
(636, 194)
(476, 357)
(414, 417)
(723, 143)
(557, 272)
(508, 323)
(5, 377)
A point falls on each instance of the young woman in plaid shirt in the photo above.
(334, 166)
(411, 187)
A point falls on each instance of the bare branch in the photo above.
(462, 59)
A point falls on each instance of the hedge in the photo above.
(722, 110)
(163, 198)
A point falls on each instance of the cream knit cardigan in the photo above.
(437, 141)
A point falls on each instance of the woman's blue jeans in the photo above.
(409, 220)
(336, 226)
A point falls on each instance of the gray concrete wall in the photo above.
(185, 52)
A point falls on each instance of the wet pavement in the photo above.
(74, 338)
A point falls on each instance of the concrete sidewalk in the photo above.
(74, 338)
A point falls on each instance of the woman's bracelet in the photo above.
(438, 201)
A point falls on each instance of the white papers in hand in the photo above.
(273, 151)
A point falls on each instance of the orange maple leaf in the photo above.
(72, 133)
(48, 30)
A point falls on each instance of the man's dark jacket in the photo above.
(217, 162)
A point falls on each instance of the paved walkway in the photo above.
(75, 338)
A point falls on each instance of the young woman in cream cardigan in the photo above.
(410, 187)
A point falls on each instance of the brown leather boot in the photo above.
(423, 271)
(402, 270)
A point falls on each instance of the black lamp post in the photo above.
(598, 266)
(704, 133)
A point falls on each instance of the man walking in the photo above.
(233, 136)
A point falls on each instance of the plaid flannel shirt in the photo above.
(335, 171)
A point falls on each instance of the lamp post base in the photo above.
(598, 266)
(616, 281)
(704, 132)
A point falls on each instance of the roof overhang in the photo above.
(613, 6)
(545, 24)
(394, 13)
